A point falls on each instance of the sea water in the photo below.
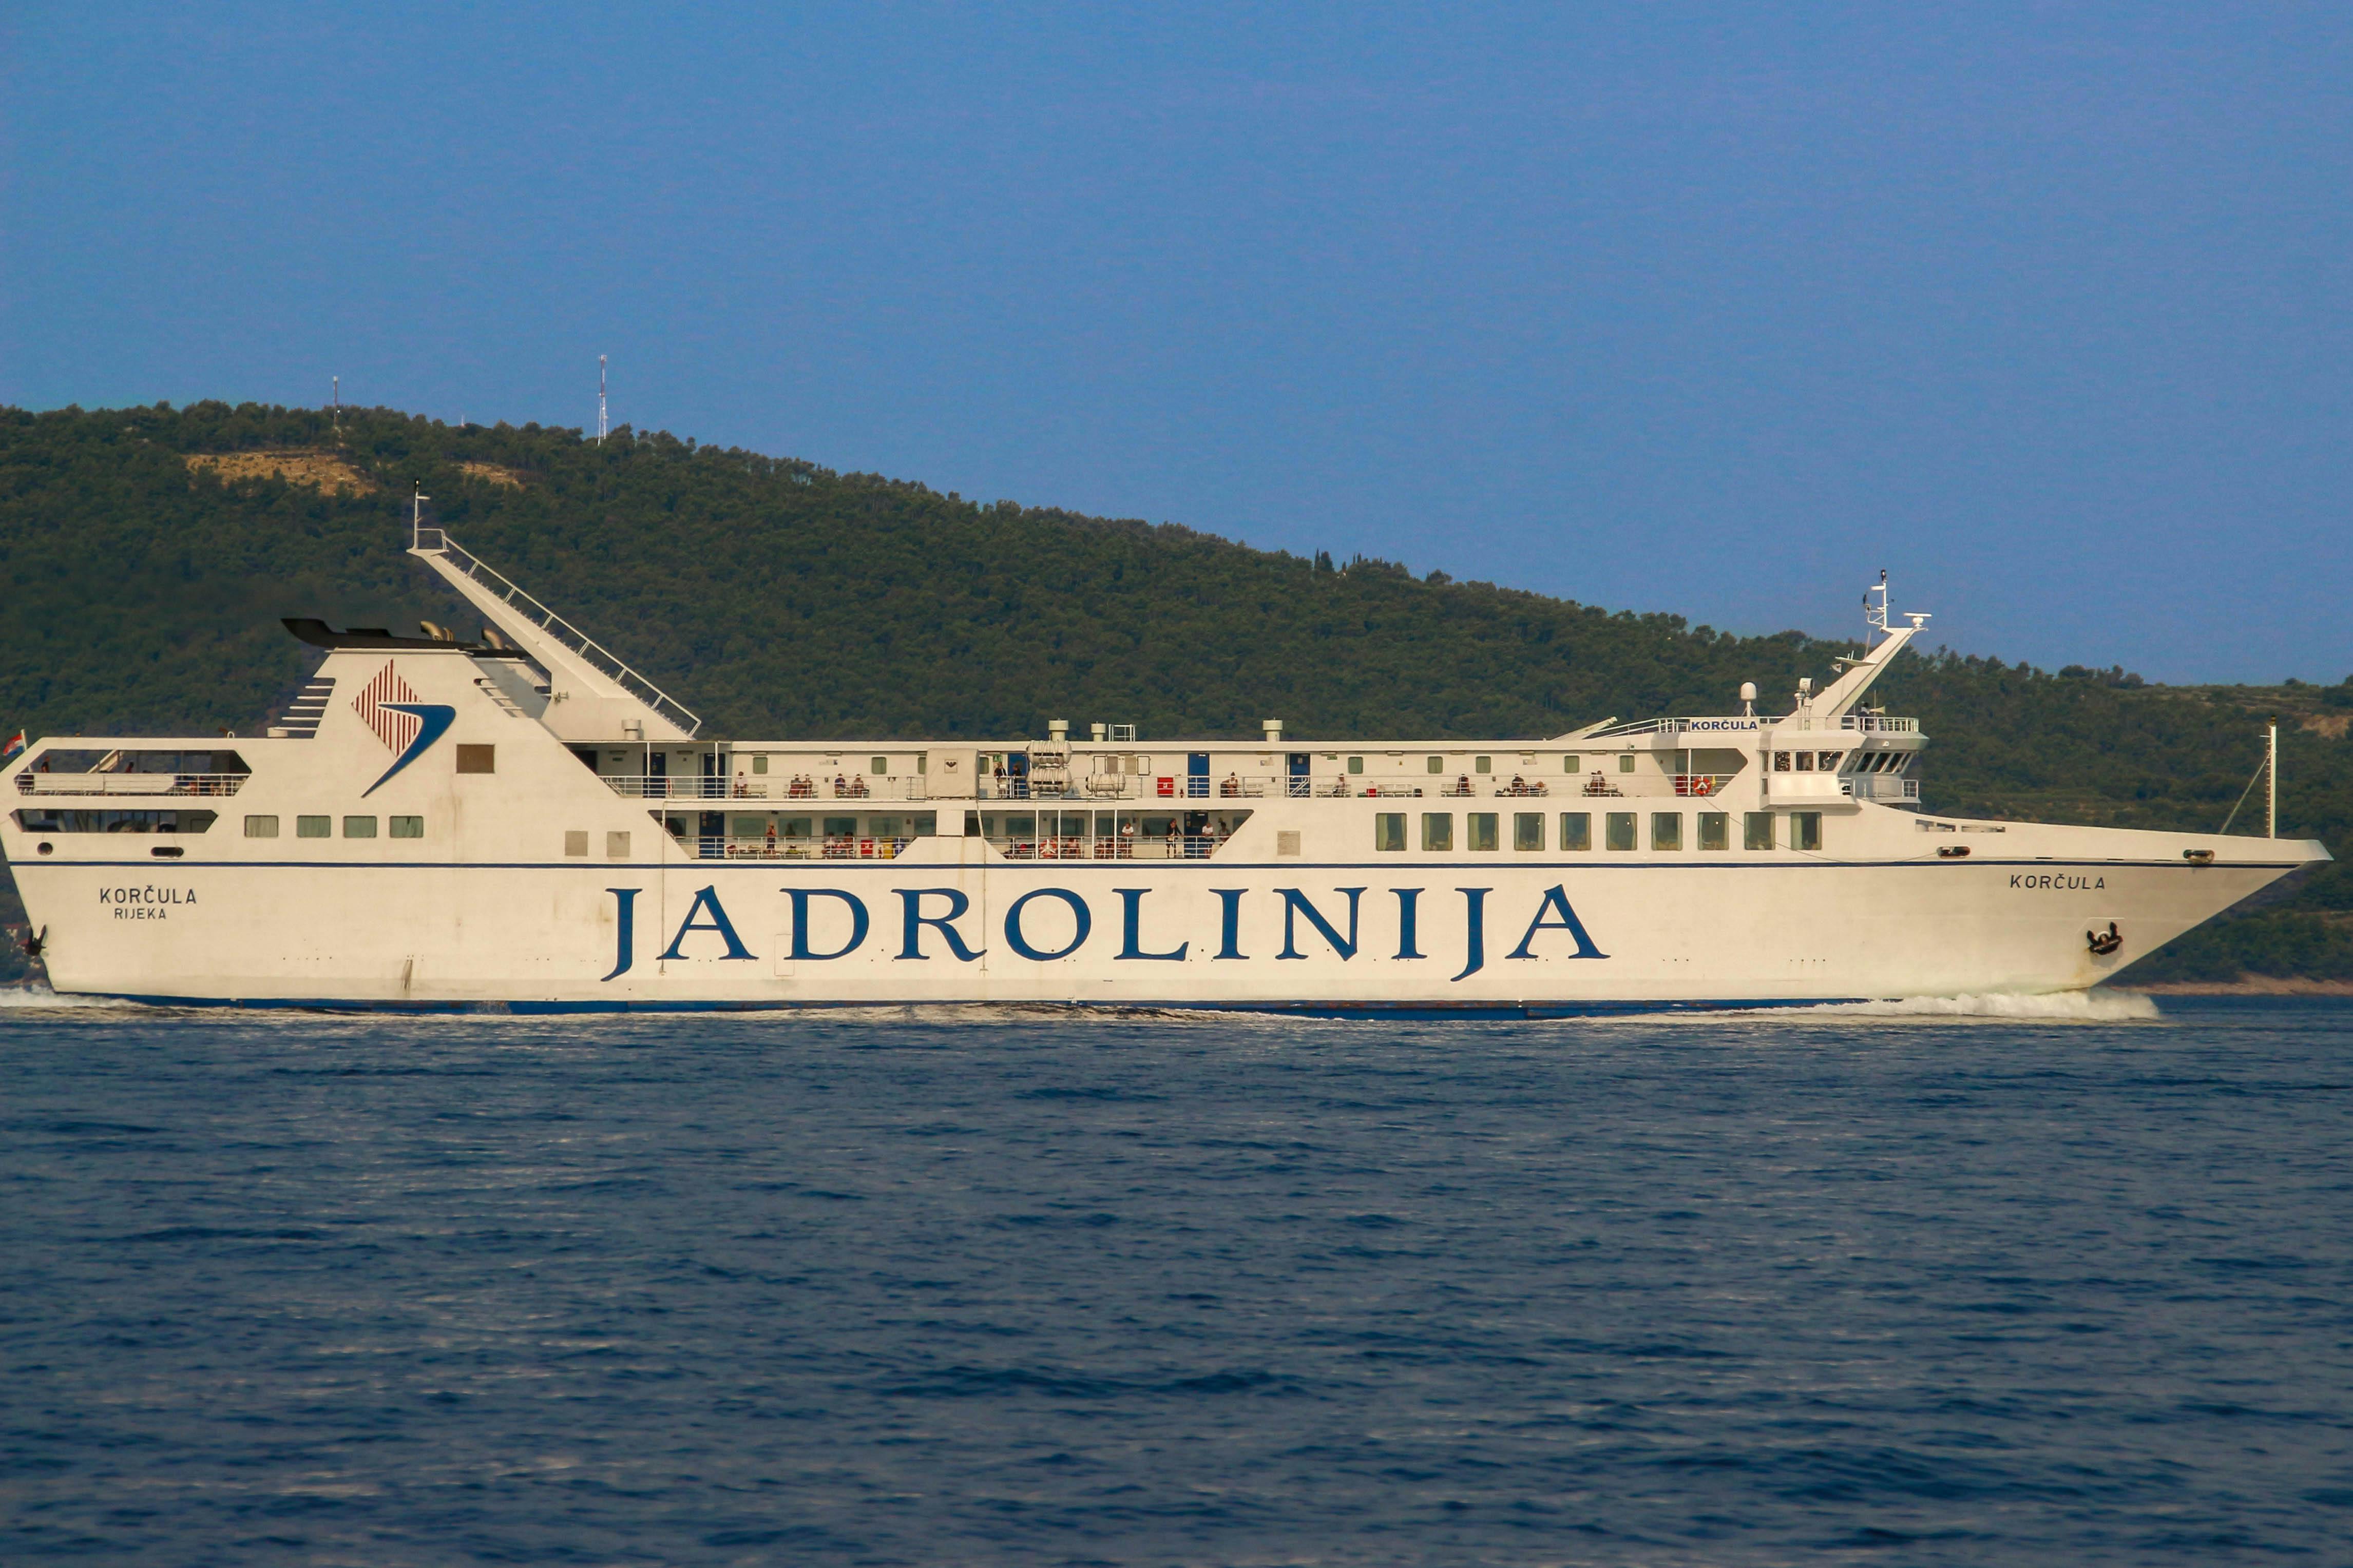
(1924, 1283)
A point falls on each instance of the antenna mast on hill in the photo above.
(600, 400)
(339, 402)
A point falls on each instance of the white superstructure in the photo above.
(527, 822)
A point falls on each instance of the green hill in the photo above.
(147, 554)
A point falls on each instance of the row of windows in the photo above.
(324, 827)
(1619, 830)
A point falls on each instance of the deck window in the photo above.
(1437, 830)
(1625, 762)
(1356, 764)
(1577, 830)
(1482, 831)
(408, 827)
(1805, 830)
(1757, 830)
(1436, 764)
(1483, 764)
(359, 827)
(743, 827)
(1527, 830)
(760, 762)
(793, 827)
(261, 827)
(1572, 763)
(1388, 831)
(1620, 830)
(882, 767)
(314, 827)
(847, 826)
(1666, 830)
(1715, 830)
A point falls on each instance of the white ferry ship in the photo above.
(525, 822)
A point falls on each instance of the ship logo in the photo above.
(389, 705)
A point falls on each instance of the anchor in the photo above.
(2103, 943)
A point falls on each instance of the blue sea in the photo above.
(1958, 1283)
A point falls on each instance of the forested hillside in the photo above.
(147, 553)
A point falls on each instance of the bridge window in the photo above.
(1482, 830)
(1577, 830)
(1388, 831)
(1830, 761)
(1437, 830)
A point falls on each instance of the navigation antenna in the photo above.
(1875, 617)
(416, 516)
(600, 400)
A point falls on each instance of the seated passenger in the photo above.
(1233, 785)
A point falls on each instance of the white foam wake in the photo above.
(2094, 1007)
(41, 996)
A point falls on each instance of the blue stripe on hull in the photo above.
(1435, 1013)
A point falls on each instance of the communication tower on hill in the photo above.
(600, 400)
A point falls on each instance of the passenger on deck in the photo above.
(1463, 784)
(857, 787)
(1232, 787)
(841, 786)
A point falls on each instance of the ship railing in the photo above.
(131, 784)
(719, 787)
(1108, 847)
(435, 540)
(1641, 727)
(1164, 786)
(1879, 723)
(835, 846)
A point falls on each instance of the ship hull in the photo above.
(1464, 936)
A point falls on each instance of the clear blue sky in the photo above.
(1709, 309)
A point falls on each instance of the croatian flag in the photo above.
(16, 745)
